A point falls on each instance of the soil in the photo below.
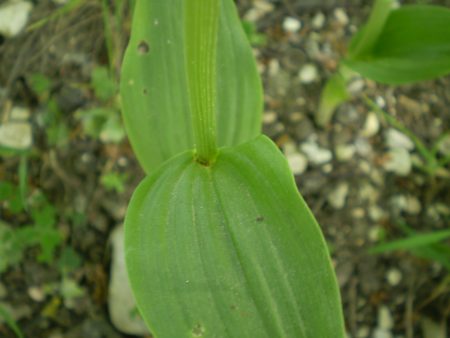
(394, 291)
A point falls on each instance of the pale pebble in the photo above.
(308, 73)
(291, 25)
(14, 17)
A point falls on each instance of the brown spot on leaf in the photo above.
(143, 47)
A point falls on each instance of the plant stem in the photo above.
(201, 29)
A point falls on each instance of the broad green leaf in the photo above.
(414, 45)
(154, 85)
(229, 250)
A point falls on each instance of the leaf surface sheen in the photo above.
(154, 84)
(230, 250)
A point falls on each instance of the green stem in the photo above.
(201, 29)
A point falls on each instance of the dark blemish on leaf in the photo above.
(259, 219)
(198, 330)
(233, 307)
(145, 91)
(143, 47)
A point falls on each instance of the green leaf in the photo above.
(412, 242)
(104, 85)
(414, 45)
(154, 85)
(368, 36)
(229, 250)
(333, 94)
(8, 318)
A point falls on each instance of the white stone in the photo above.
(376, 213)
(316, 155)
(269, 117)
(291, 25)
(363, 147)
(297, 162)
(14, 17)
(380, 101)
(356, 86)
(318, 21)
(260, 8)
(380, 333)
(413, 205)
(308, 73)
(19, 113)
(385, 320)
(396, 139)
(407, 203)
(341, 16)
(16, 135)
(363, 332)
(371, 125)
(444, 146)
(36, 293)
(121, 304)
(345, 152)
(394, 277)
(399, 162)
(337, 197)
(274, 67)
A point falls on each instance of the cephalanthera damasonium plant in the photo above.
(219, 243)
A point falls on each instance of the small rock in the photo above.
(291, 25)
(396, 139)
(337, 197)
(399, 162)
(36, 293)
(121, 302)
(380, 333)
(380, 101)
(316, 154)
(345, 152)
(444, 146)
(394, 277)
(376, 213)
(308, 73)
(385, 320)
(356, 86)
(341, 16)
(371, 125)
(15, 135)
(375, 233)
(297, 162)
(14, 17)
(358, 213)
(20, 114)
(260, 8)
(363, 147)
(363, 332)
(409, 204)
(274, 67)
(412, 106)
(318, 21)
(269, 117)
